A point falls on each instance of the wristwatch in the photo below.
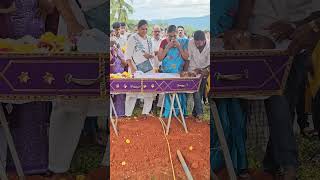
(314, 26)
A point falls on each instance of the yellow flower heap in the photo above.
(7, 45)
(47, 41)
(52, 42)
(121, 75)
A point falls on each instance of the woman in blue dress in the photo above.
(232, 115)
(173, 53)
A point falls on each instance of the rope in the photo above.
(168, 145)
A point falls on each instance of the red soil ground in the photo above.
(147, 155)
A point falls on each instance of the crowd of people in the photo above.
(290, 25)
(169, 50)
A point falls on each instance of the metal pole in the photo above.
(222, 140)
(184, 165)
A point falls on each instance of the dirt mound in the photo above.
(141, 152)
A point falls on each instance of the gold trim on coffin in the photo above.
(194, 80)
(38, 97)
(272, 77)
(260, 93)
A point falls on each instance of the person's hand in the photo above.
(198, 71)
(133, 70)
(280, 30)
(74, 28)
(176, 44)
(148, 56)
(303, 38)
(170, 45)
(44, 8)
(237, 40)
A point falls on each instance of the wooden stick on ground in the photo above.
(184, 165)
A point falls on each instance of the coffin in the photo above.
(46, 76)
(155, 83)
(249, 73)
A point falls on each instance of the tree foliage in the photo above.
(120, 10)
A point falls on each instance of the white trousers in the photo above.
(66, 123)
(131, 102)
(160, 99)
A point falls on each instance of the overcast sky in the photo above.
(167, 9)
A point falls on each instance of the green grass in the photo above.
(86, 158)
(308, 170)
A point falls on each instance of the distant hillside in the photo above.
(201, 23)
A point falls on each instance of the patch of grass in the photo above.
(86, 158)
(308, 170)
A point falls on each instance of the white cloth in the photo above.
(198, 60)
(90, 4)
(66, 123)
(131, 102)
(266, 12)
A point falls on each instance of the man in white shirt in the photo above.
(121, 40)
(123, 30)
(199, 61)
(68, 117)
(156, 40)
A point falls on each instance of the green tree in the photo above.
(120, 10)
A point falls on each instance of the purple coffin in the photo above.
(249, 73)
(46, 76)
(144, 85)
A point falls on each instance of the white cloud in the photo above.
(163, 9)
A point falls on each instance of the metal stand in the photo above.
(174, 98)
(114, 122)
(9, 139)
(222, 139)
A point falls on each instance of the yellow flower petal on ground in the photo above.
(128, 141)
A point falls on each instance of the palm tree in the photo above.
(120, 9)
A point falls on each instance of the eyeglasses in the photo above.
(156, 31)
